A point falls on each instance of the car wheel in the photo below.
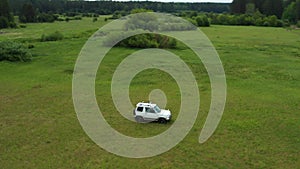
(162, 121)
(139, 119)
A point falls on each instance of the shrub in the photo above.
(192, 21)
(60, 19)
(202, 20)
(298, 24)
(143, 40)
(30, 46)
(77, 18)
(44, 17)
(14, 51)
(13, 25)
(273, 21)
(148, 40)
(22, 26)
(52, 37)
(3, 22)
(71, 14)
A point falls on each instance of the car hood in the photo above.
(165, 112)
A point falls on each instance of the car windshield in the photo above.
(157, 109)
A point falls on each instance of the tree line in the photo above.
(109, 7)
(240, 12)
(285, 9)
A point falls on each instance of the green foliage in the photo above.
(298, 9)
(256, 19)
(22, 26)
(148, 41)
(267, 7)
(105, 7)
(3, 22)
(273, 21)
(202, 20)
(145, 21)
(6, 19)
(55, 36)
(143, 40)
(14, 51)
(95, 19)
(44, 17)
(140, 10)
(192, 21)
(67, 19)
(292, 12)
(151, 22)
(250, 8)
(28, 13)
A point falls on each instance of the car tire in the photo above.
(139, 119)
(162, 121)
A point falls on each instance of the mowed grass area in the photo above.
(260, 127)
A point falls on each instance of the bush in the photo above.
(71, 14)
(192, 21)
(56, 36)
(60, 19)
(13, 25)
(298, 24)
(22, 26)
(14, 51)
(148, 40)
(44, 17)
(77, 18)
(202, 21)
(3, 22)
(273, 21)
(143, 40)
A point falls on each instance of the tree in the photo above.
(290, 13)
(273, 7)
(238, 6)
(6, 19)
(267, 7)
(3, 22)
(298, 10)
(202, 20)
(27, 14)
(250, 8)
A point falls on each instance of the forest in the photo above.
(274, 13)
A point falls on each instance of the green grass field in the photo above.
(260, 127)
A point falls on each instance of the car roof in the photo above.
(145, 104)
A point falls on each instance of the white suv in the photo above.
(151, 112)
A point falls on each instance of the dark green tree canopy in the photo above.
(267, 7)
(6, 19)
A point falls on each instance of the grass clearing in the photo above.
(259, 129)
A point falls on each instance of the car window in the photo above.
(140, 109)
(149, 110)
(157, 109)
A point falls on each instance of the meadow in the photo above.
(260, 127)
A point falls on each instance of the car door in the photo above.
(150, 114)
